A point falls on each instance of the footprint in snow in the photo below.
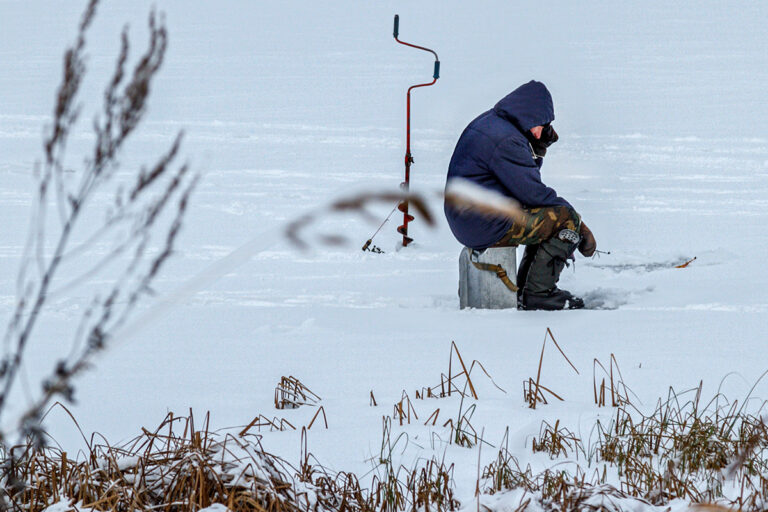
(610, 298)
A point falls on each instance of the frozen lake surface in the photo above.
(663, 122)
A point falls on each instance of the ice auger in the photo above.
(403, 206)
(404, 186)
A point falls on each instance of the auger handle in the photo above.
(436, 74)
(396, 32)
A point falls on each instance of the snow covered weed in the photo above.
(290, 393)
(174, 467)
(557, 441)
(178, 467)
(715, 453)
(682, 452)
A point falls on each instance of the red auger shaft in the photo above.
(405, 185)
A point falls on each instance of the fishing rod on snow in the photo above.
(405, 185)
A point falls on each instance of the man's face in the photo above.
(536, 131)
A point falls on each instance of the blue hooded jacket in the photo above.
(494, 153)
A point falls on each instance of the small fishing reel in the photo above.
(370, 247)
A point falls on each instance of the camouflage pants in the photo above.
(543, 223)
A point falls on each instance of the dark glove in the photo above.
(548, 137)
(588, 244)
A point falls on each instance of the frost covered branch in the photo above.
(141, 225)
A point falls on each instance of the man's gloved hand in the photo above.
(548, 137)
(588, 244)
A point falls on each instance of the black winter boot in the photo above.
(539, 289)
(554, 300)
(522, 269)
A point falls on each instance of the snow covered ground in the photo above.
(663, 122)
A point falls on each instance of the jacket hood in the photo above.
(527, 106)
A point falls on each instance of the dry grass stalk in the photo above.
(460, 194)
(460, 382)
(431, 487)
(455, 349)
(533, 393)
(290, 393)
(320, 410)
(404, 408)
(295, 231)
(261, 421)
(463, 195)
(557, 441)
(462, 431)
(618, 390)
(433, 417)
(424, 393)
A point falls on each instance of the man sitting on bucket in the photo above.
(502, 150)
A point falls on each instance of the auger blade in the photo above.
(403, 230)
(403, 207)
